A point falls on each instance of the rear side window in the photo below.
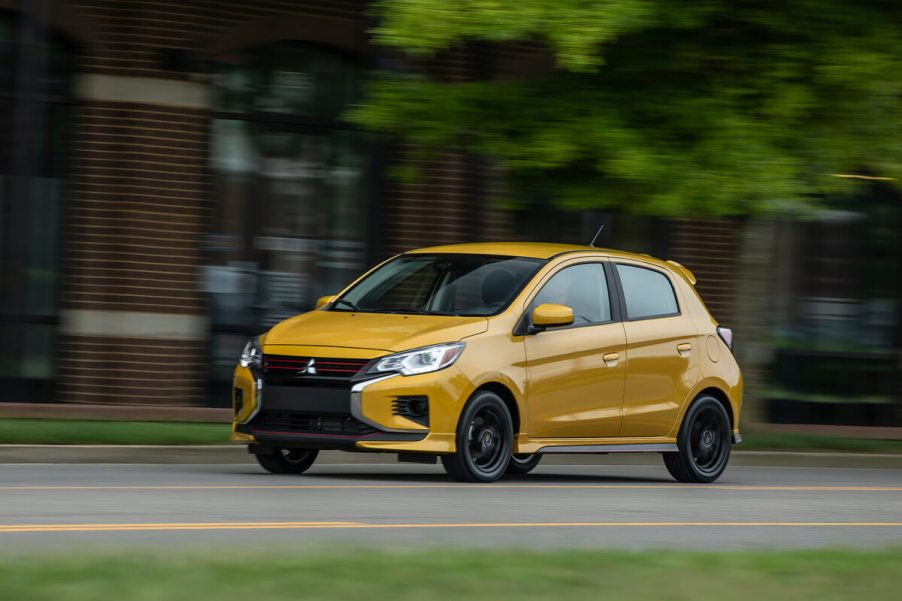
(648, 293)
(583, 288)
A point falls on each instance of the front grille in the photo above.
(294, 370)
(307, 423)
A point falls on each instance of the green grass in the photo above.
(425, 575)
(77, 431)
(783, 441)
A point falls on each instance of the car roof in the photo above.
(548, 250)
(536, 250)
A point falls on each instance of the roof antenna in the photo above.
(597, 234)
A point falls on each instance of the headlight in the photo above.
(251, 356)
(419, 361)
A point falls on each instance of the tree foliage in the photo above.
(661, 106)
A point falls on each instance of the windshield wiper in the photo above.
(407, 310)
(346, 302)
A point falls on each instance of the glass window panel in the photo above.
(648, 293)
(290, 79)
(7, 55)
(446, 284)
(42, 239)
(28, 351)
(583, 288)
(291, 225)
(40, 350)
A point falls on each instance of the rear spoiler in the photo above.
(688, 275)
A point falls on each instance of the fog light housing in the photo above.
(414, 408)
(238, 400)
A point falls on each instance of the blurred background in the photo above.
(178, 176)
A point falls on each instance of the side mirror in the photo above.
(324, 300)
(550, 315)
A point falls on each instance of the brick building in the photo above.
(194, 186)
(176, 176)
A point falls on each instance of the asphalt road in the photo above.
(632, 504)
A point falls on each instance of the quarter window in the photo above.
(583, 288)
(648, 293)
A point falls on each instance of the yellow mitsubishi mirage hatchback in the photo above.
(488, 356)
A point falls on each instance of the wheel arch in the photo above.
(721, 391)
(722, 398)
(506, 395)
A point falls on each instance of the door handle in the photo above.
(684, 348)
(611, 359)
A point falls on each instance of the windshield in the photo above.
(442, 284)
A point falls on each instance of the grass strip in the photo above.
(78, 431)
(453, 575)
(784, 441)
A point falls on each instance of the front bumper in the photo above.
(361, 415)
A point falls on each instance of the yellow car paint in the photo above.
(619, 383)
(550, 314)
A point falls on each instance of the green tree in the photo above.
(661, 106)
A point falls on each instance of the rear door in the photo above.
(662, 346)
(576, 373)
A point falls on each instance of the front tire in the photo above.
(484, 440)
(287, 461)
(523, 464)
(703, 442)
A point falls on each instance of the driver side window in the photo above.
(581, 287)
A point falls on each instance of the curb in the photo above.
(236, 453)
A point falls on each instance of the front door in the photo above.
(576, 373)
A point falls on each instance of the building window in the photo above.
(35, 106)
(290, 189)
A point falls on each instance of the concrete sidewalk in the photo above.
(238, 454)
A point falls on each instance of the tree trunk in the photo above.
(753, 313)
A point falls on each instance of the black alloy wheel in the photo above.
(288, 461)
(484, 440)
(523, 464)
(704, 443)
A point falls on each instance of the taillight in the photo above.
(726, 334)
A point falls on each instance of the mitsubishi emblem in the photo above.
(309, 369)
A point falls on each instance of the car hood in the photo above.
(375, 331)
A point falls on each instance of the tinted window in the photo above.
(583, 288)
(648, 293)
(445, 284)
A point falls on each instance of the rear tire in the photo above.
(523, 464)
(288, 461)
(703, 443)
(484, 440)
